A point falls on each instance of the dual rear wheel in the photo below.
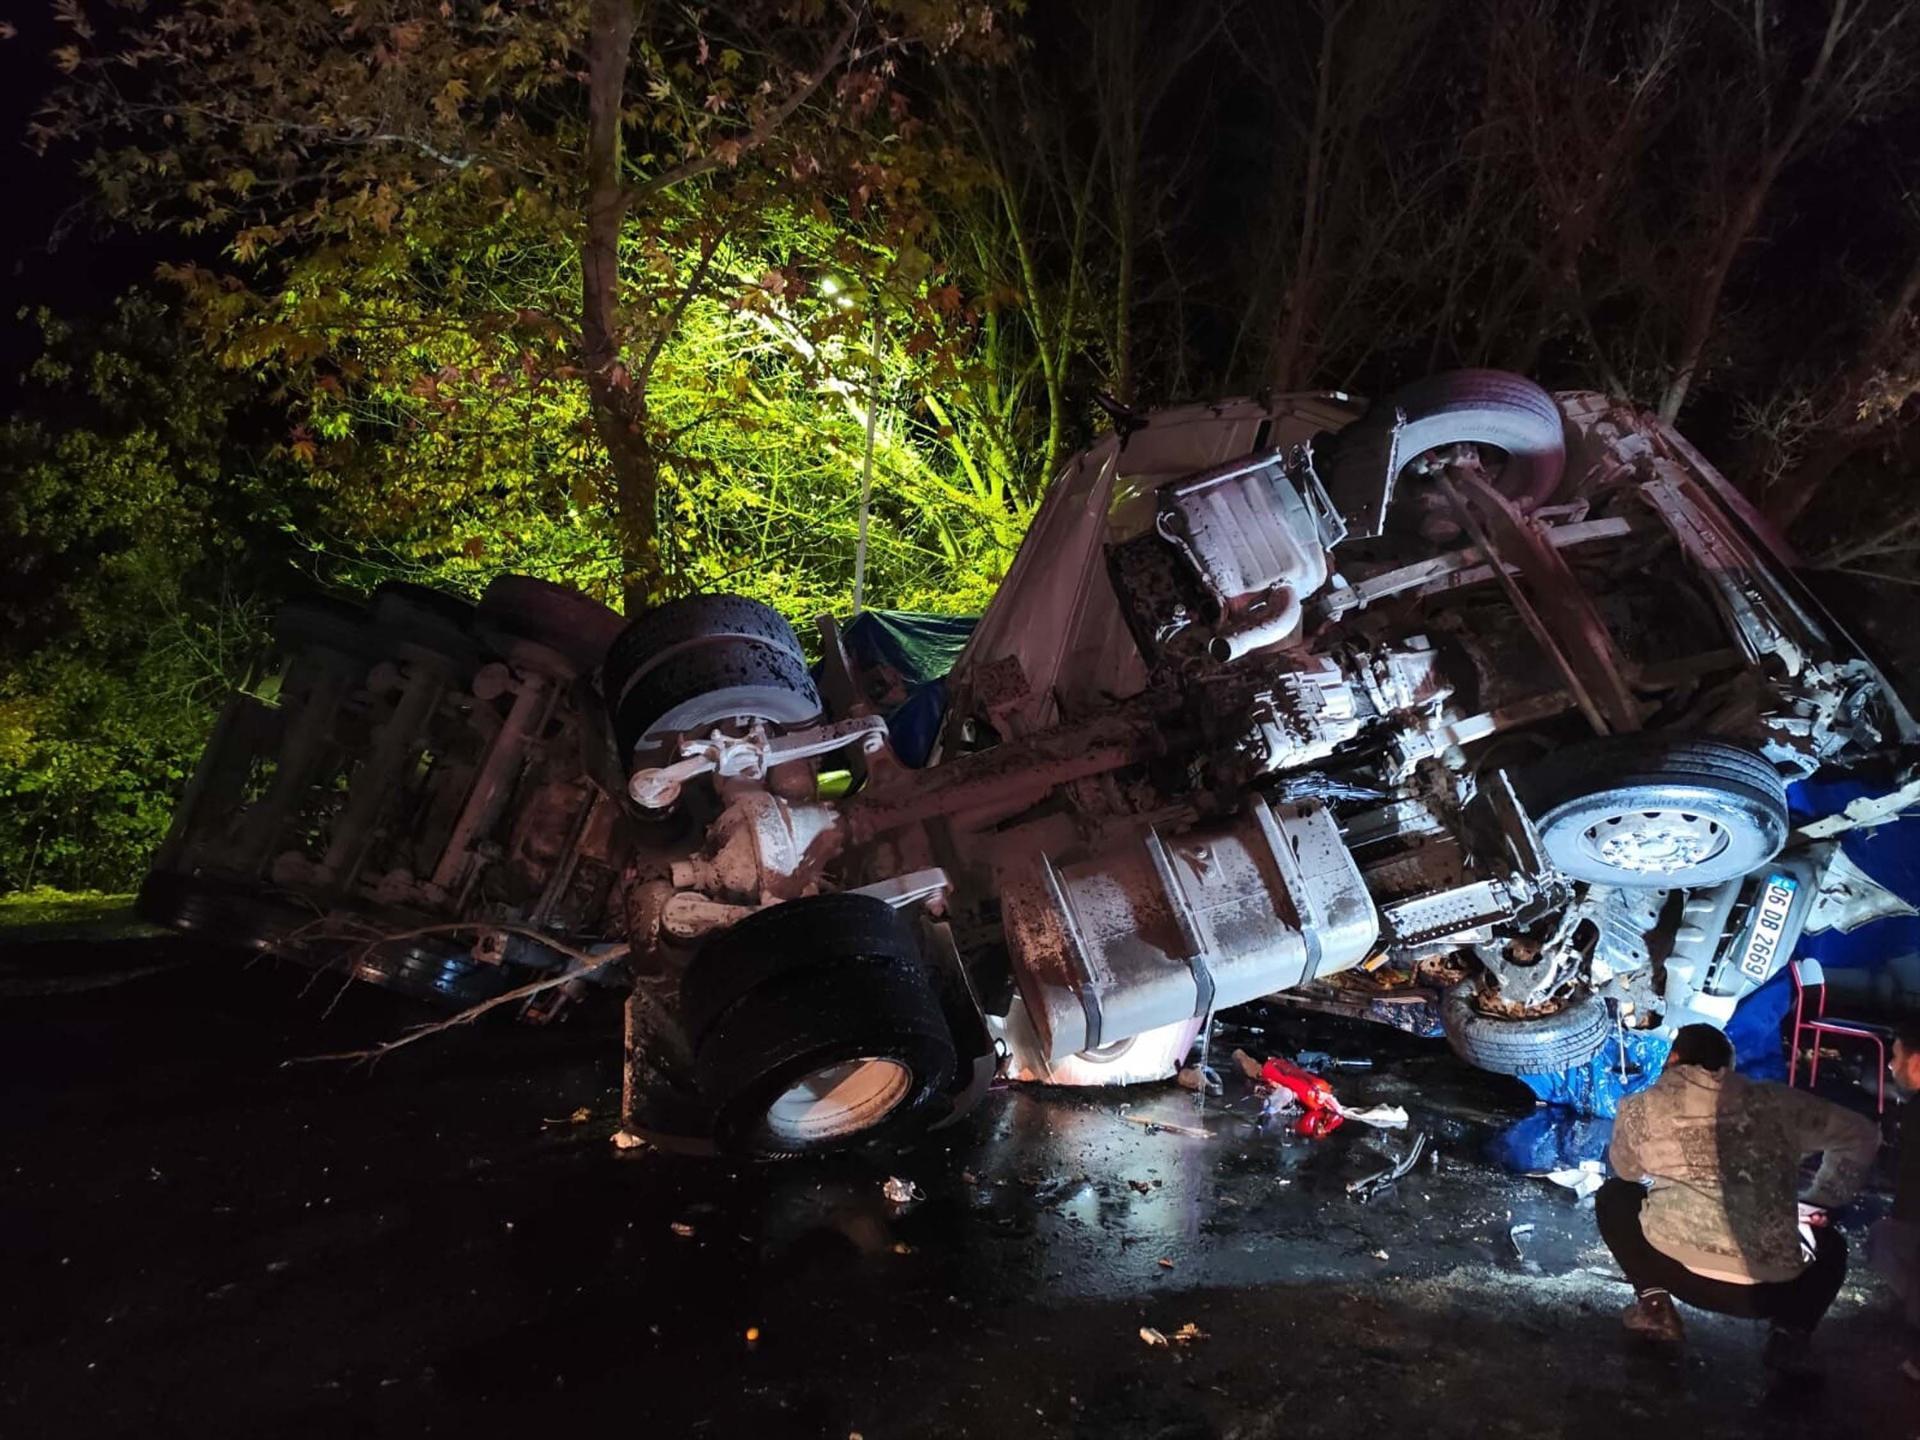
(1634, 811)
(815, 1024)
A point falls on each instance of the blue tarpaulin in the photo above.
(1629, 1061)
(919, 647)
(909, 655)
(1552, 1138)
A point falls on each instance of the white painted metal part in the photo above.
(1166, 928)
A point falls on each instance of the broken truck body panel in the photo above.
(1477, 694)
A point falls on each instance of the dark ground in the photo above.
(196, 1241)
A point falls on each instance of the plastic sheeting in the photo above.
(1629, 1061)
(1890, 853)
(909, 655)
(915, 726)
(917, 647)
(1551, 1139)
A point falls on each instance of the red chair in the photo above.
(1808, 976)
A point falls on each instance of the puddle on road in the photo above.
(1067, 1194)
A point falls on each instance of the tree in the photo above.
(1327, 271)
(138, 541)
(642, 136)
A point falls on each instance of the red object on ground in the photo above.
(1320, 1112)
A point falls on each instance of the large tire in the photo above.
(440, 973)
(226, 912)
(1655, 812)
(577, 627)
(693, 663)
(663, 626)
(1538, 1046)
(813, 1035)
(821, 930)
(425, 618)
(324, 623)
(1487, 407)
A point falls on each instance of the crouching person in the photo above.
(1703, 1207)
(1896, 1240)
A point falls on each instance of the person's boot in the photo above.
(1788, 1356)
(1653, 1317)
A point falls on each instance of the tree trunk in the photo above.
(1703, 313)
(619, 406)
(1301, 300)
(1840, 443)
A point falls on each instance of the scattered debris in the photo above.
(1321, 1060)
(682, 1229)
(1514, 1235)
(1170, 1128)
(578, 1117)
(1367, 1186)
(1380, 1255)
(1381, 1117)
(1187, 1334)
(1583, 1179)
(1201, 1078)
(627, 1140)
(901, 1192)
(1143, 1186)
(1274, 1102)
(1321, 1111)
(1164, 1263)
(1249, 1066)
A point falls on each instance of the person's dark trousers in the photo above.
(1795, 1304)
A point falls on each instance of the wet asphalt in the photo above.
(197, 1239)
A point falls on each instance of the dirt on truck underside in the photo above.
(200, 1240)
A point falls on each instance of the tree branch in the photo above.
(584, 964)
(708, 249)
(729, 152)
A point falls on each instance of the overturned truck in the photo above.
(1473, 709)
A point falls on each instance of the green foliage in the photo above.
(386, 377)
(126, 614)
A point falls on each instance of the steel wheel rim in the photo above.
(1662, 841)
(839, 1099)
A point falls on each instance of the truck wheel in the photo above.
(419, 615)
(694, 663)
(819, 1036)
(1538, 1045)
(1487, 407)
(226, 912)
(322, 622)
(1655, 812)
(574, 626)
(820, 930)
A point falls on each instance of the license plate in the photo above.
(1769, 924)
